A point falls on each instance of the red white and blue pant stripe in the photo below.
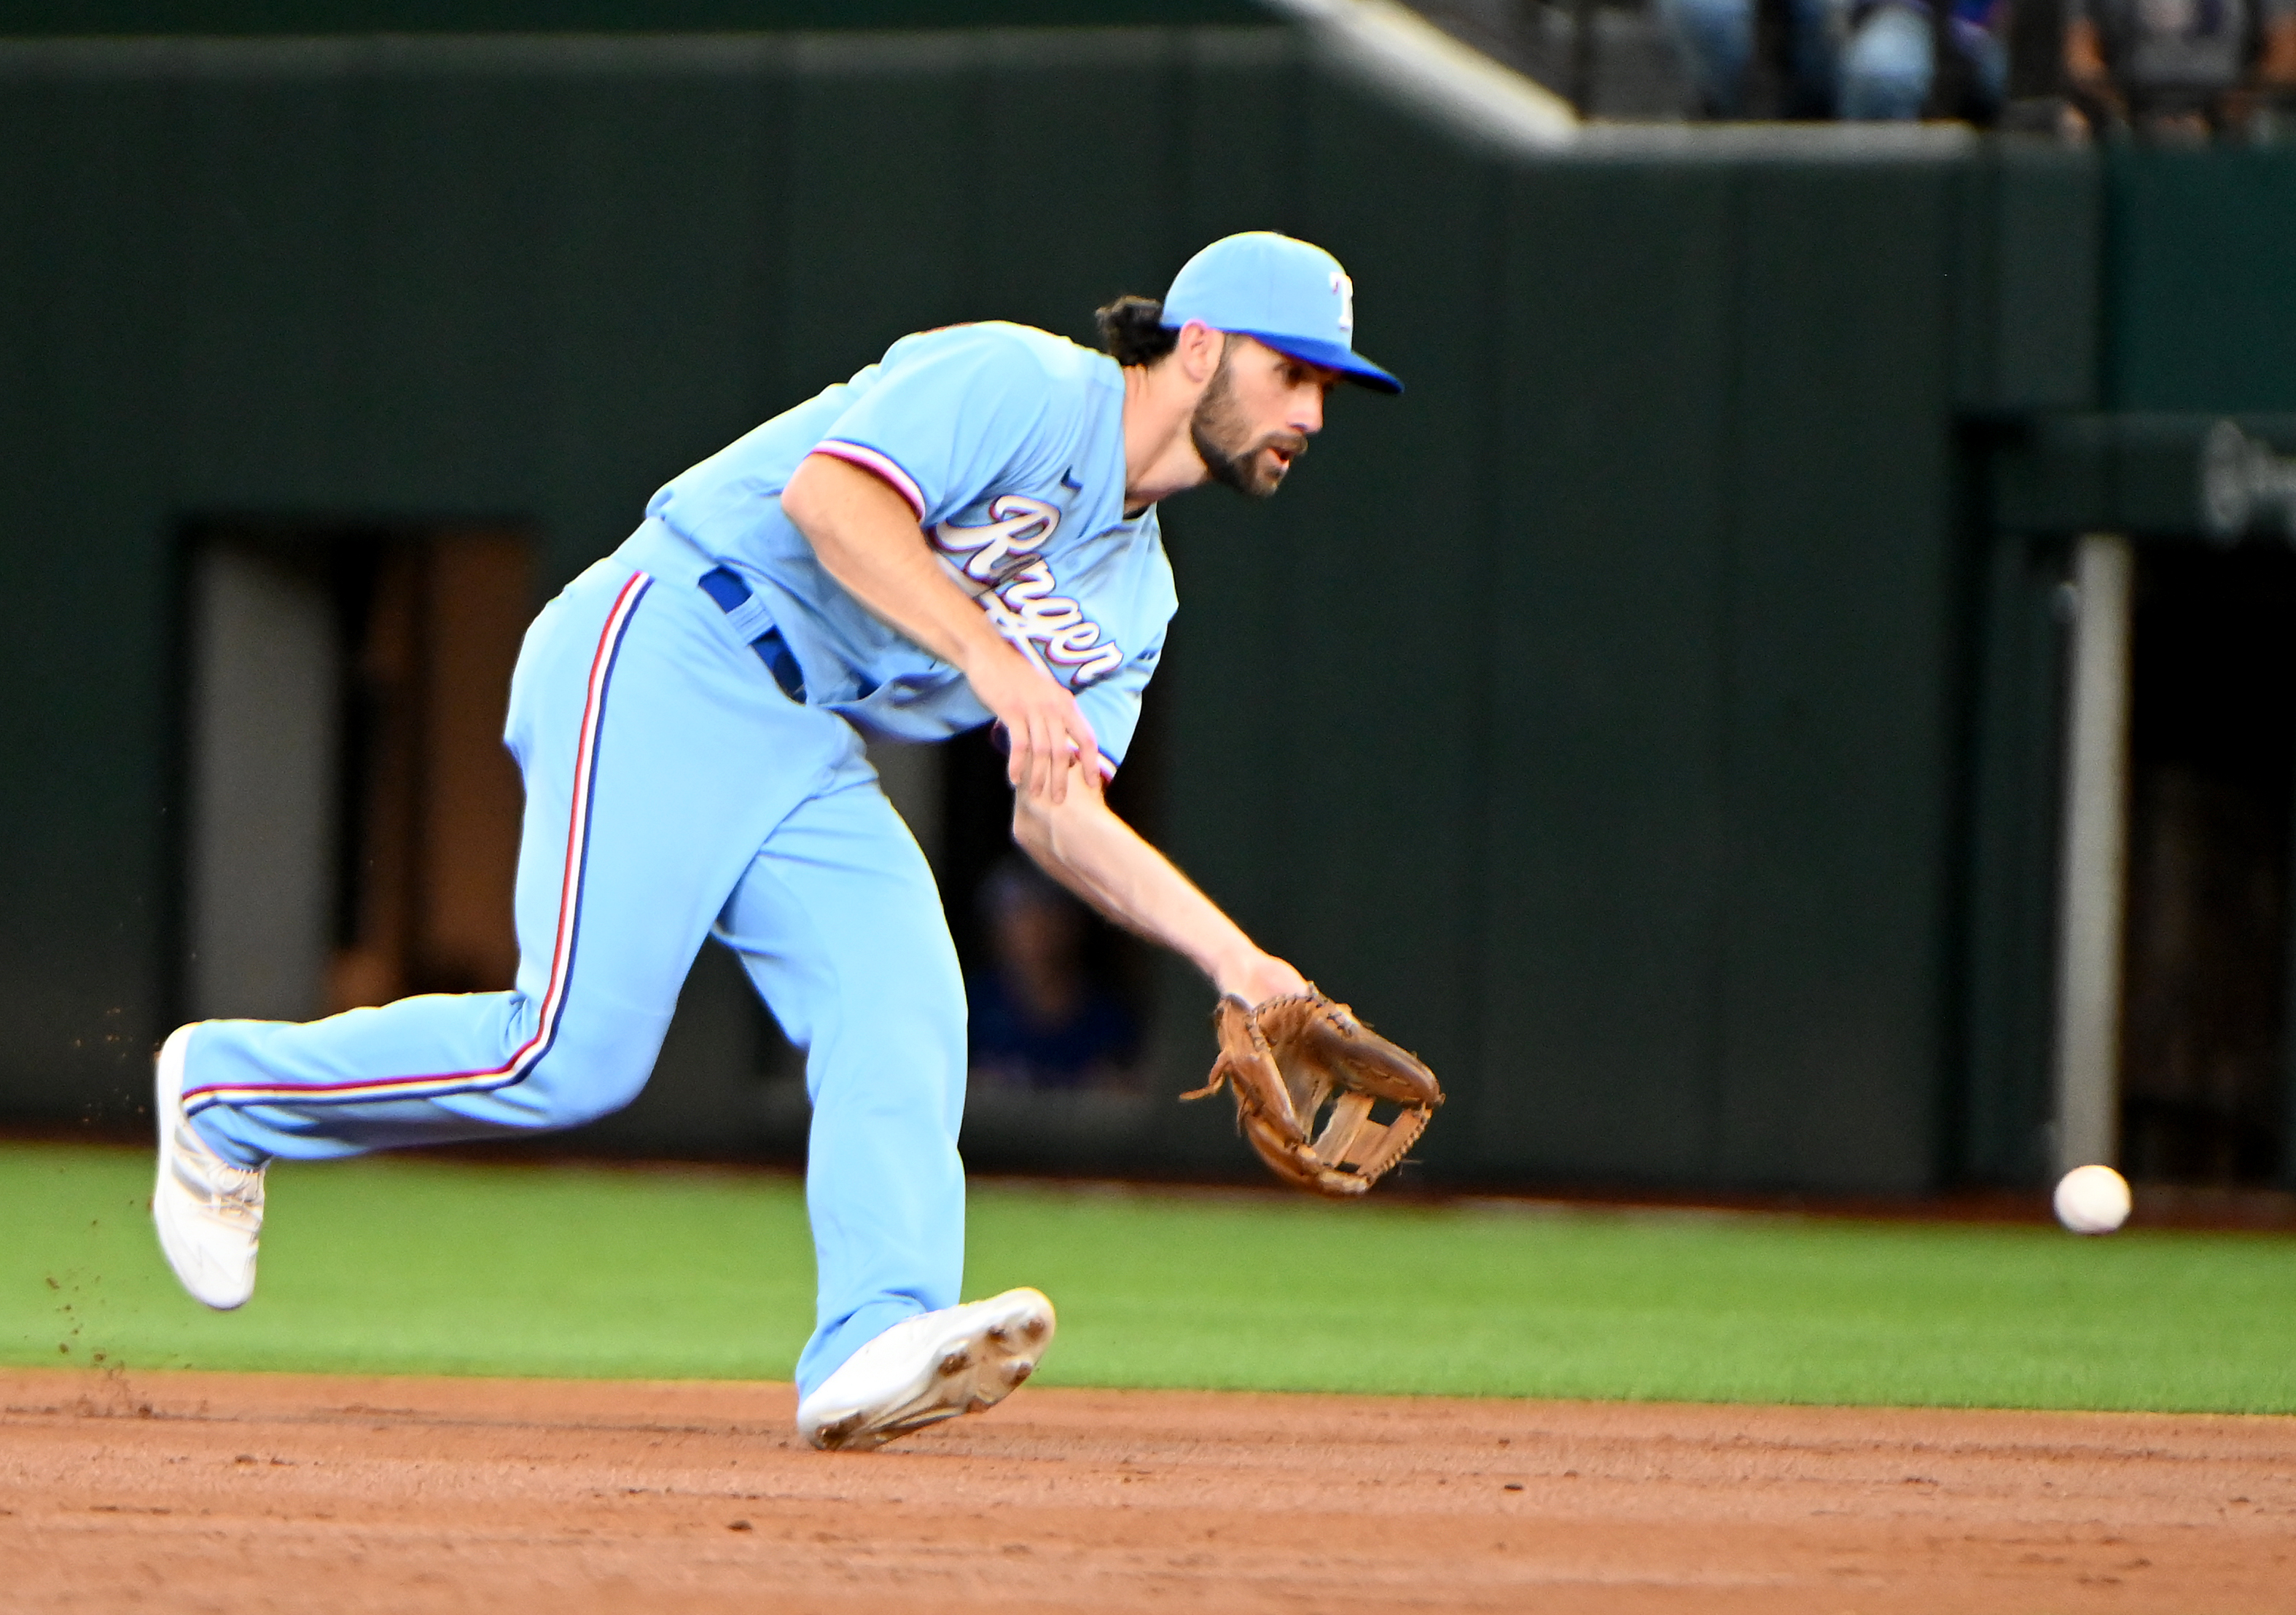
(672, 791)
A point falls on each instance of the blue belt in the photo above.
(724, 585)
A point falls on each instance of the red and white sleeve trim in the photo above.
(870, 460)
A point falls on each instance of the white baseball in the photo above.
(2092, 1200)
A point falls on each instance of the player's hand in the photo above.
(1042, 724)
(1259, 977)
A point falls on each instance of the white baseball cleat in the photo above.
(931, 1367)
(208, 1213)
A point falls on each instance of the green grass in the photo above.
(420, 1267)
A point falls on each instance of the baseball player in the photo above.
(963, 533)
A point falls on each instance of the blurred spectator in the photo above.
(1891, 61)
(1715, 38)
(2178, 68)
(1039, 1018)
(1868, 59)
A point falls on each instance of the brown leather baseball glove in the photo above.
(1285, 1058)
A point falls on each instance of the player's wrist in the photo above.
(981, 651)
(1255, 976)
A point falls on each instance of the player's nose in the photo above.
(1307, 411)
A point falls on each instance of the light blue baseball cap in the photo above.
(1291, 295)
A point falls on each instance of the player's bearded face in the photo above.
(1233, 445)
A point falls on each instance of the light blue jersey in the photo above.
(1009, 444)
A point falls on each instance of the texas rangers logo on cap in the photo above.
(1290, 294)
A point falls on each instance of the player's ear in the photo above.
(1198, 350)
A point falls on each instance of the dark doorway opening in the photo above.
(354, 823)
(2205, 1072)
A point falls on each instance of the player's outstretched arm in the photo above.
(866, 537)
(1083, 845)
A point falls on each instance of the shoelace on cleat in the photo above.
(230, 1194)
(237, 1206)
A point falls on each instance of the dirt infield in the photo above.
(194, 1492)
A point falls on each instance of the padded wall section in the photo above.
(2201, 281)
(1841, 664)
(1605, 897)
(89, 801)
(1723, 686)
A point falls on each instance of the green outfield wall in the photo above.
(1647, 715)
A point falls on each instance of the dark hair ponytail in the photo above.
(1132, 329)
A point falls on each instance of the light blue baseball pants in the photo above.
(672, 791)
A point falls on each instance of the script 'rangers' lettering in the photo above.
(999, 566)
